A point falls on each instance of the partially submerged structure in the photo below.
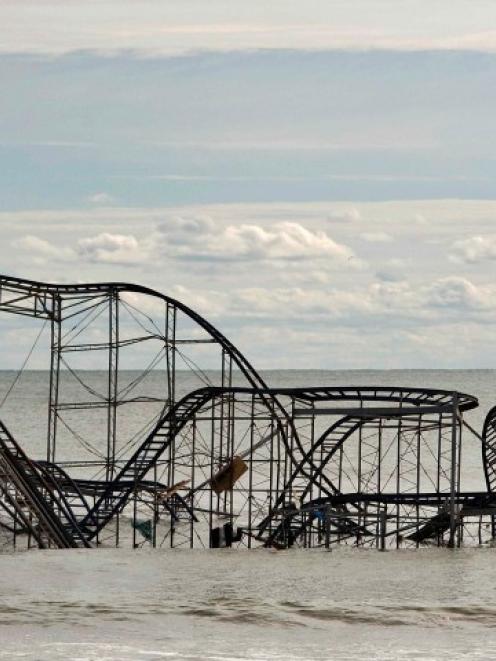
(178, 441)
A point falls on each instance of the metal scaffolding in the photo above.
(160, 432)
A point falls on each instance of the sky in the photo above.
(317, 178)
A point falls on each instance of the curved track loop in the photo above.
(489, 449)
(35, 299)
(398, 395)
(417, 399)
(113, 499)
(41, 290)
(332, 439)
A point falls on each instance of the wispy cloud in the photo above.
(246, 126)
(152, 25)
(101, 198)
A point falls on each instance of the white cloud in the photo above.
(475, 249)
(344, 216)
(392, 270)
(282, 285)
(167, 27)
(35, 244)
(111, 248)
(395, 301)
(201, 238)
(187, 230)
(376, 237)
(42, 251)
(458, 293)
(101, 198)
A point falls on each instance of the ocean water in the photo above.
(113, 604)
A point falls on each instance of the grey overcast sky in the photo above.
(317, 178)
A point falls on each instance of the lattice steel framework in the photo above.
(194, 449)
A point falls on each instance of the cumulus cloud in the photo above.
(291, 281)
(201, 238)
(396, 302)
(456, 292)
(111, 248)
(451, 295)
(41, 250)
(36, 245)
(475, 249)
(192, 230)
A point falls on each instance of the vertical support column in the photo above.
(361, 518)
(460, 526)
(274, 475)
(135, 513)
(226, 433)
(383, 528)
(439, 452)
(170, 353)
(340, 489)
(453, 470)
(398, 471)
(277, 458)
(155, 508)
(113, 371)
(250, 475)
(53, 396)
(378, 510)
(417, 476)
(327, 523)
(193, 483)
(211, 469)
(292, 495)
(312, 442)
(439, 466)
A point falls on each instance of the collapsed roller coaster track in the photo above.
(186, 444)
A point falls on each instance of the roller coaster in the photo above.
(157, 431)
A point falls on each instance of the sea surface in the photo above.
(429, 604)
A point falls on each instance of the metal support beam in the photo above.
(113, 372)
(54, 379)
(453, 472)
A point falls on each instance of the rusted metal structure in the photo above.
(176, 440)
